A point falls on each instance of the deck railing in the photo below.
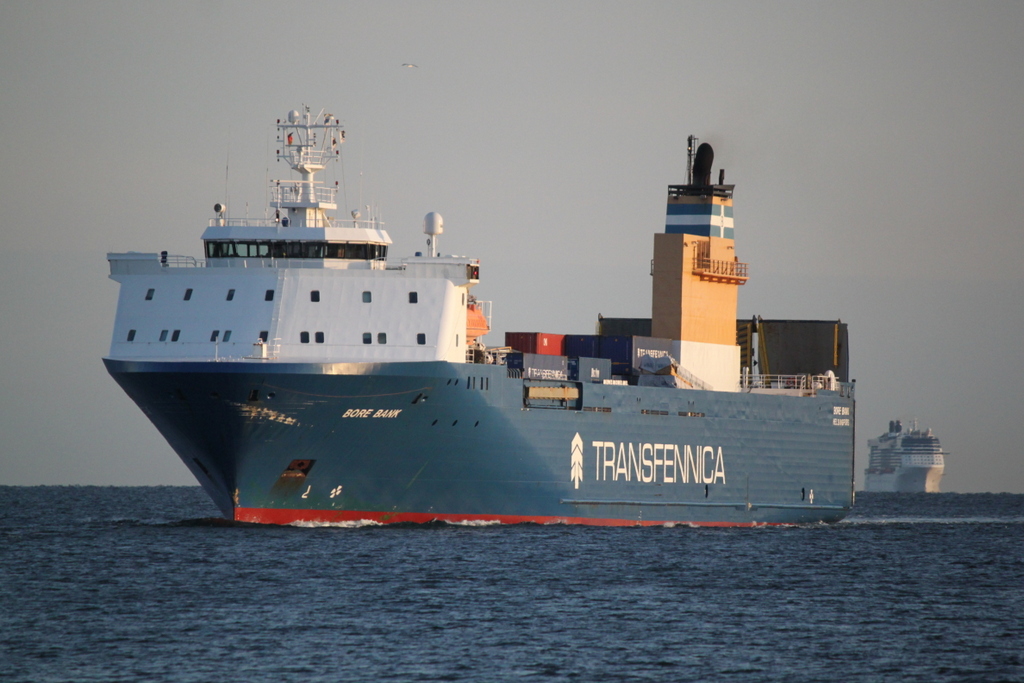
(796, 382)
(730, 269)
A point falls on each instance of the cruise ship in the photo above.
(905, 461)
(305, 375)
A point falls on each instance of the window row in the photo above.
(318, 337)
(295, 249)
(382, 338)
(176, 334)
(268, 296)
(314, 296)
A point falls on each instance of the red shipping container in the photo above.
(536, 342)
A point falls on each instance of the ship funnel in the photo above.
(702, 164)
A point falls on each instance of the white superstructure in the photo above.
(303, 286)
(899, 461)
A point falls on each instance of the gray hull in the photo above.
(394, 442)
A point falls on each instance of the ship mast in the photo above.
(307, 143)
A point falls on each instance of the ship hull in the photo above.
(416, 442)
(905, 480)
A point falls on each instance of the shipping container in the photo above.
(539, 366)
(583, 345)
(627, 352)
(536, 342)
(630, 327)
(619, 350)
(589, 369)
(647, 349)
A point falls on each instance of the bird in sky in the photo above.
(411, 66)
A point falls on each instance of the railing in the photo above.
(298, 191)
(796, 382)
(306, 156)
(179, 261)
(729, 269)
(276, 222)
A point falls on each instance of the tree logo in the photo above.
(576, 462)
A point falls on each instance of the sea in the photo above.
(150, 584)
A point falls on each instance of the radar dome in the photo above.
(293, 116)
(433, 224)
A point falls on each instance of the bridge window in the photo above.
(163, 335)
(149, 294)
(231, 295)
(414, 297)
(319, 337)
(214, 335)
(269, 296)
(302, 249)
(382, 337)
(188, 295)
(367, 338)
(131, 335)
(304, 337)
(314, 295)
(175, 335)
(264, 335)
(421, 339)
(367, 297)
(227, 335)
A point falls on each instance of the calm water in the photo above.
(126, 584)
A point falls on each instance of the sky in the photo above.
(877, 150)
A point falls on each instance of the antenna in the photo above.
(227, 166)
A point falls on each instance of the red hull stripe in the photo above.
(279, 516)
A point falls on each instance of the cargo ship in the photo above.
(905, 461)
(303, 375)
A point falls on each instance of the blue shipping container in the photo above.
(589, 369)
(626, 352)
(583, 345)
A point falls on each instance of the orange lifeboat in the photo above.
(476, 322)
